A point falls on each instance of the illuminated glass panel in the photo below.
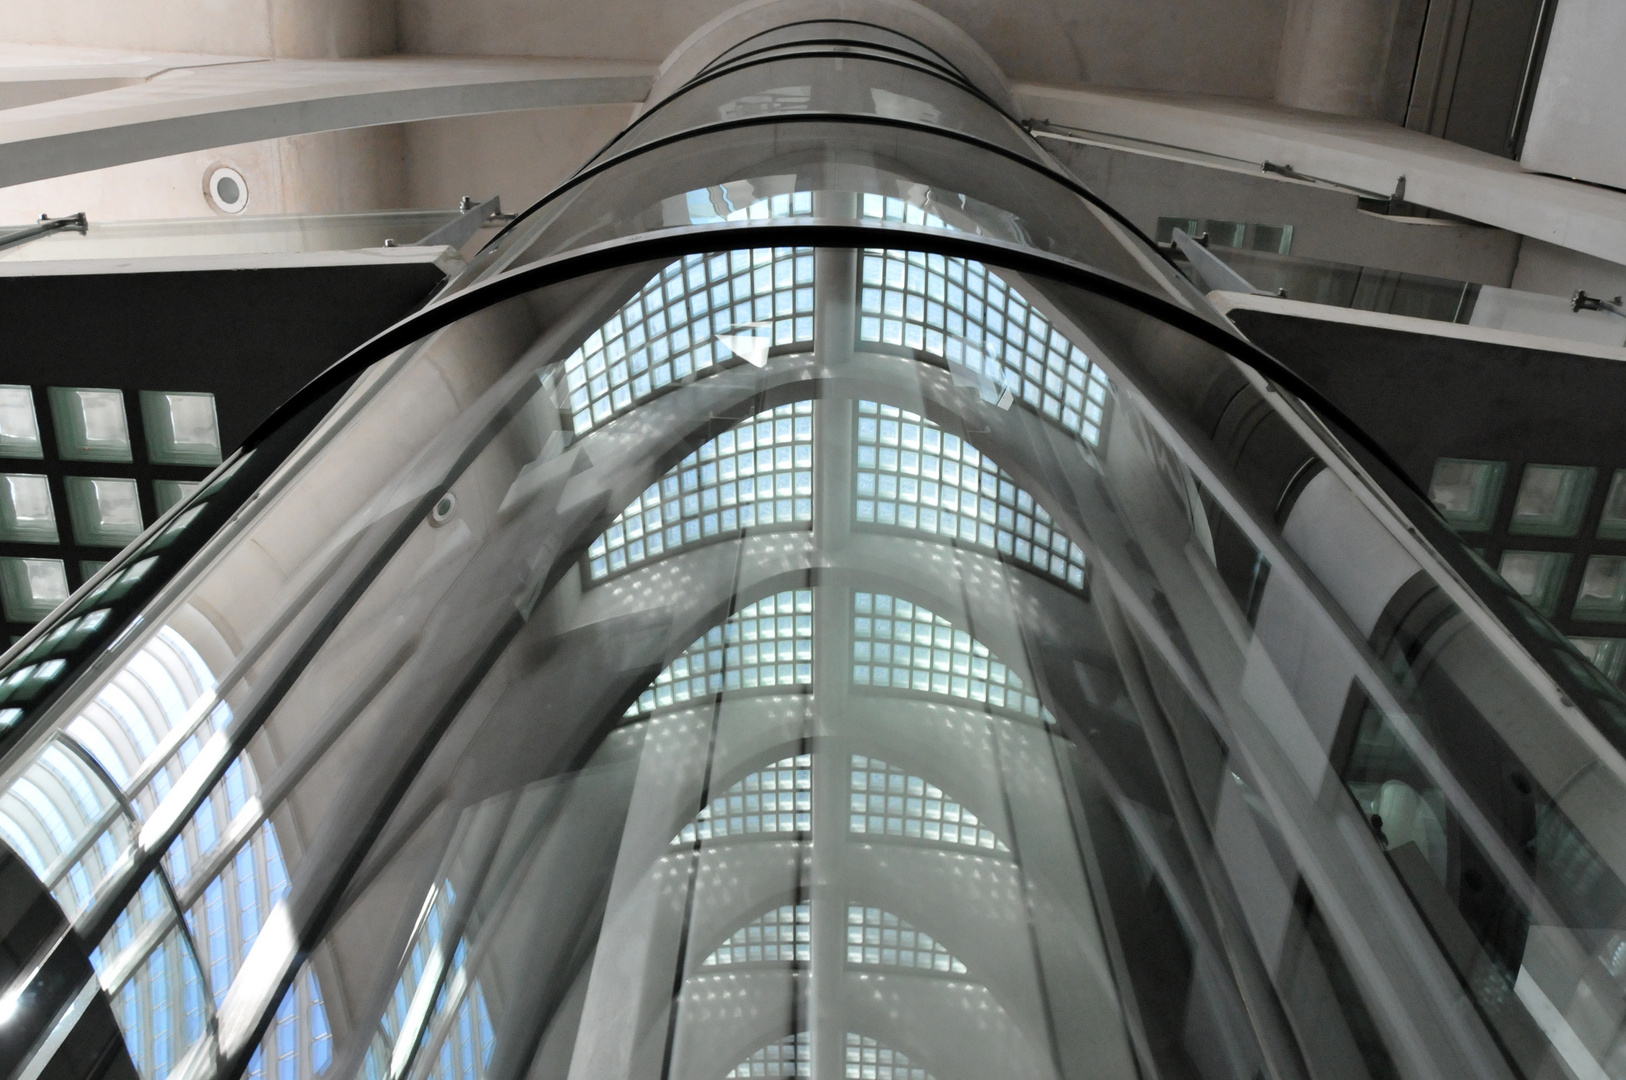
(963, 312)
(460, 1017)
(903, 646)
(881, 939)
(776, 799)
(232, 908)
(765, 645)
(869, 1060)
(678, 323)
(757, 475)
(779, 935)
(153, 1008)
(886, 801)
(66, 824)
(913, 475)
(790, 1056)
(127, 726)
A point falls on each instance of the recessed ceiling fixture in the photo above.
(226, 189)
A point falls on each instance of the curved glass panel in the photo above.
(868, 87)
(800, 34)
(1242, 766)
(832, 171)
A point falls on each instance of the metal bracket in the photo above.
(1582, 302)
(47, 225)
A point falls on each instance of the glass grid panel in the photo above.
(886, 801)
(763, 645)
(913, 475)
(904, 646)
(677, 323)
(779, 935)
(960, 310)
(757, 475)
(869, 1060)
(886, 208)
(880, 938)
(790, 1056)
(776, 799)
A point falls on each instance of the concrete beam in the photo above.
(204, 107)
(1366, 154)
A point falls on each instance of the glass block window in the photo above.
(1608, 655)
(1603, 589)
(886, 801)
(903, 646)
(880, 939)
(1538, 576)
(757, 475)
(106, 511)
(19, 426)
(167, 493)
(26, 513)
(181, 428)
(780, 935)
(963, 312)
(30, 589)
(1551, 501)
(1466, 493)
(914, 476)
(790, 1056)
(776, 799)
(763, 646)
(699, 312)
(867, 1059)
(90, 424)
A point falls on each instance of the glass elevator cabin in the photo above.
(819, 597)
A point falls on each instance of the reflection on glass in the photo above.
(1551, 500)
(880, 938)
(887, 801)
(700, 311)
(756, 476)
(790, 1056)
(780, 935)
(1538, 576)
(913, 475)
(777, 799)
(961, 311)
(867, 1059)
(1466, 493)
(167, 493)
(905, 646)
(1608, 655)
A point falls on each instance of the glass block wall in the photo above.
(83, 470)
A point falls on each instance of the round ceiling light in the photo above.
(226, 188)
